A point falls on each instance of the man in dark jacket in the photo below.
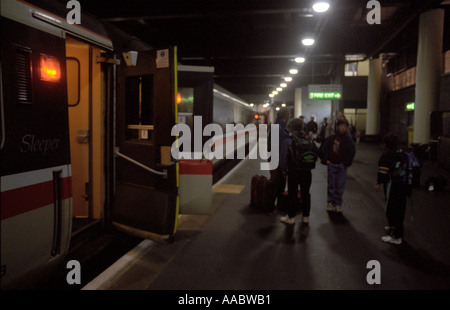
(337, 152)
(323, 129)
(276, 175)
(312, 126)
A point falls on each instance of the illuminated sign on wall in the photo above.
(410, 106)
(325, 91)
(325, 96)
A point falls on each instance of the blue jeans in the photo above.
(337, 174)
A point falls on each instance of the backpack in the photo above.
(405, 169)
(405, 172)
(303, 156)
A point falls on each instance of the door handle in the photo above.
(163, 173)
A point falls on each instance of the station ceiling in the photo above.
(252, 44)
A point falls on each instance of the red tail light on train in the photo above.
(50, 70)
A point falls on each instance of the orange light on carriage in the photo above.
(50, 69)
(178, 98)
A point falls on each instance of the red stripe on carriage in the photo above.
(202, 167)
(228, 138)
(28, 198)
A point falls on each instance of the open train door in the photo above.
(146, 197)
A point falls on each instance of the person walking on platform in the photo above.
(332, 126)
(312, 127)
(298, 156)
(305, 126)
(276, 175)
(323, 129)
(395, 192)
(337, 152)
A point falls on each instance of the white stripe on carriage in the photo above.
(28, 178)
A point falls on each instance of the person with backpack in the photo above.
(298, 157)
(337, 153)
(395, 174)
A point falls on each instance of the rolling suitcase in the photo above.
(262, 193)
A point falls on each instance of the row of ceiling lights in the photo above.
(318, 7)
(266, 105)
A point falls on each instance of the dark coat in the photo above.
(349, 149)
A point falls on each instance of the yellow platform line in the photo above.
(228, 189)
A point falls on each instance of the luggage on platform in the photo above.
(262, 193)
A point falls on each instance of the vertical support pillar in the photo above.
(297, 103)
(429, 68)
(272, 116)
(373, 98)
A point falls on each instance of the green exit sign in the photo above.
(325, 95)
(410, 106)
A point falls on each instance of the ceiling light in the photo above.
(293, 71)
(308, 41)
(288, 79)
(283, 84)
(277, 108)
(275, 92)
(283, 105)
(271, 95)
(300, 59)
(320, 7)
(279, 89)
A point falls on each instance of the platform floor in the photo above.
(239, 248)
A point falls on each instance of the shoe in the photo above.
(337, 209)
(330, 207)
(288, 220)
(388, 230)
(393, 240)
(305, 219)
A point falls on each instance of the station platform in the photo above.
(237, 247)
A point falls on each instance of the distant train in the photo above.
(85, 134)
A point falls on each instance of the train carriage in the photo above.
(86, 117)
(62, 90)
(36, 206)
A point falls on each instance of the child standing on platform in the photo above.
(338, 152)
(298, 156)
(395, 192)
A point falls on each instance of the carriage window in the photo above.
(185, 102)
(73, 81)
(139, 107)
(23, 75)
